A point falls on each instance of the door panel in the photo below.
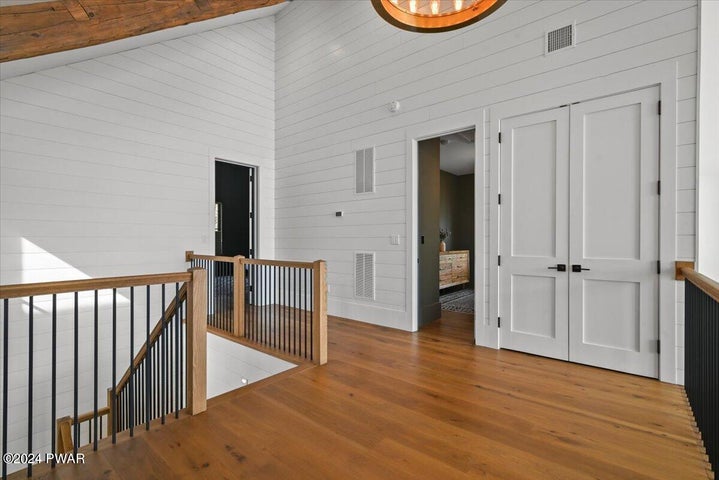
(429, 308)
(534, 184)
(611, 173)
(614, 211)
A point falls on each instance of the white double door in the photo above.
(579, 232)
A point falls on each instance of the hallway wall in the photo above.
(338, 68)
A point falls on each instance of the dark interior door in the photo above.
(235, 202)
(429, 308)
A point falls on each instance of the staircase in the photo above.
(157, 326)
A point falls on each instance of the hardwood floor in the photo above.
(428, 405)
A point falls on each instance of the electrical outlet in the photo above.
(329, 288)
(394, 239)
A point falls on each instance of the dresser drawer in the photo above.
(453, 268)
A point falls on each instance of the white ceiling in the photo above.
(456, 153)
(42, 62)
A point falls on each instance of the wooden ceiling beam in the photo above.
(55, 26)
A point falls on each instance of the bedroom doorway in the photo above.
(446, 243)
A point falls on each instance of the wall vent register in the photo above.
(560, 38)
(364, 170)
(364, 275)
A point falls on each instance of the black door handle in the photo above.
(560, 267)
(578, 268)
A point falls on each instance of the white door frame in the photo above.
(431, 129)
(662, 74)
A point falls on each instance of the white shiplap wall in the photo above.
(339, 65)
(105, 170)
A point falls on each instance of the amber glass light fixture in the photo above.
(427, 16)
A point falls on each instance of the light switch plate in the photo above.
(394, 239)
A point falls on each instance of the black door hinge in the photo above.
(499, 137)
(659, 267)
(252, 215)
(499, 198)
(659, 187)
(659, 346)
(499, 260)
(659, 107)
(499, 322)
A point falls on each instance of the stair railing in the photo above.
(276, 305)
(105, 314)
(701, 354)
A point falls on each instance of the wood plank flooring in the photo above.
(428, 405)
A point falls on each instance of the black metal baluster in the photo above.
(183, 360)
(163, 363)
(170, 362)
(207, 265)
(31, 334)
(258, 302)
(177, 348)
(95, 380)
(312, 314)
(76, 442)
(53, 388)
(229, 296)
(6, 329)
(220, 288)
(148, 365)
(276, 311)
(304, 309)
(294, 311)
(285, 322)
(131, 383)
(113, 396)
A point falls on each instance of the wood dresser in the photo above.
(453, 268)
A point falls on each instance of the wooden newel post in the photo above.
(319, 313)
(188, 255)
(110, 416)
(64, 437)
(238, 311)
(197, 342)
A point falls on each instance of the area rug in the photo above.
(461, 301)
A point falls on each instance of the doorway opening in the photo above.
(234, 209)
(446, 230)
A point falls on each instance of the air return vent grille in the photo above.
(364, 275)
(560, 38)
(364, 171)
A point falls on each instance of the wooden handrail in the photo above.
(277, 263)
(64, 442)
(191, 255)
(154, 335)
(90, 415)
(67, 286)
(706, 284)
